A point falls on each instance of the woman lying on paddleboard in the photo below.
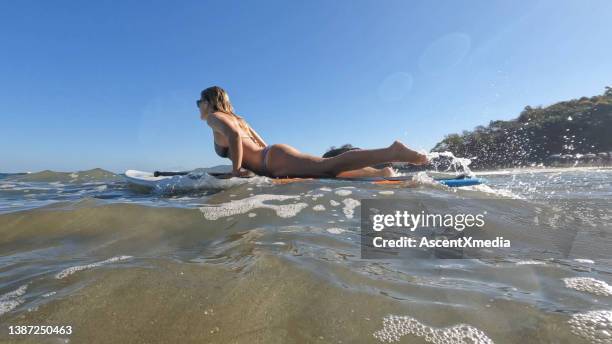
(236, 140)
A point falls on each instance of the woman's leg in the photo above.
(367, 172)
(286, 161)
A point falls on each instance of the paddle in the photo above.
(220, 175)
(227, 175)
(169, 174)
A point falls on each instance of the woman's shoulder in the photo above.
(219, 116)
(221, 113)
(230, 114)
(226, 116)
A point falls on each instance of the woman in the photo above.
(236, 140)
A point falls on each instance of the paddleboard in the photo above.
(201, 180)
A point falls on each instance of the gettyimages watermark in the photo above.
(478, 228)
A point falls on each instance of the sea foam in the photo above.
(386, 192)
(395, 327)
(69, 271)
(11, 300)
(242, 206)
(589, 285)
(335, 230)
(343, 192)
(349, 207)
(530, 262)
(594, 326)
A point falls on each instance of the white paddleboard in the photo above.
(195, 180)
(201, 180)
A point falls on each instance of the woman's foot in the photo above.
(405, 154)
(387, 172)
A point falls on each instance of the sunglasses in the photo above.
(198, 102)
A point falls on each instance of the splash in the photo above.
(448, 162)
(496, 192)
(423, 178)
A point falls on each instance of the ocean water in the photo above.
(258, 262)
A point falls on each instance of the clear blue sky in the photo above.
(113, 84)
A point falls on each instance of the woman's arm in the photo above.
(230, 130)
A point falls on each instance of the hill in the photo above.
(571, 128)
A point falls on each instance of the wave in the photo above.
(92, 175)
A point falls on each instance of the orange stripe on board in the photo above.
(289, 180)
(389, 182)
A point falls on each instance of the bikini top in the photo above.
(221, 151)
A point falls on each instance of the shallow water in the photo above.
(259, 262)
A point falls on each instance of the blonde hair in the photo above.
(219, 100)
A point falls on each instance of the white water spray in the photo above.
(448, 162)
